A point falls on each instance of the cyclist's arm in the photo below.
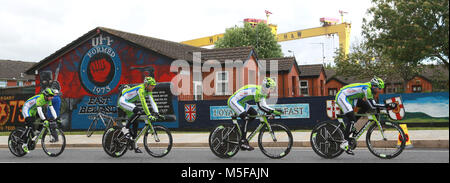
(143, 102)
(40, 113)
(153, 103)
(52, 110)
(370, 100)
(263, 106)
(40, 102)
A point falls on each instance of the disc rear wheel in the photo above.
(224, 140)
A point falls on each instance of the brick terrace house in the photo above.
(12, 73)
(334, 82)
(312, 80)
(423, 82)
(287, 77)
(224, 71)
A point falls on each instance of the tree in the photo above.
(260, 37)
(364, 62)
(409, 32)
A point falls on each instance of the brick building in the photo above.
(312, 80)
(12, 73)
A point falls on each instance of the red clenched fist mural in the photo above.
(99, 70)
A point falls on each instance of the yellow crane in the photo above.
(329, 27)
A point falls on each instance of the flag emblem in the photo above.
(190, 112)
(399, 112)
(332, 109)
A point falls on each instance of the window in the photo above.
(3, 83)
(198, 86)
(222, 83)
(304, 87)
(417, 88)
(19, 83)
(332, 91)
(198, 90)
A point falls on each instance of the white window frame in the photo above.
(196, 92)
(304, 87)
(3, 83)
(221, 82)
(333, 91)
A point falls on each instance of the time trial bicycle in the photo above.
(384, 139)
(157, 139)
(52, 139)
(274, 140)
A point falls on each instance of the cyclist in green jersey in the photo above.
(35, 105)
(258, 93)
(126, 100)
(352, 95)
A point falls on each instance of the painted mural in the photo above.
(424, 107)
(89, 76)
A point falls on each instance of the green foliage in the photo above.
(259, 37)
(409, 32)
(363, 63)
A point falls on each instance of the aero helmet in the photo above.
(150, 81)
(269, 83)
(377, 82)
(48, 92)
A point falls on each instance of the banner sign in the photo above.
(288, 111)
(11, 111)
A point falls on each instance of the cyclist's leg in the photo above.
(347, 108)
(128, 108)
(250, 112)
(238, 109)
(241, 110)
(363, 107)
(30, 127)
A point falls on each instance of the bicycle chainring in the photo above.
(352, 143)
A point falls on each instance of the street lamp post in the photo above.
(323, 52)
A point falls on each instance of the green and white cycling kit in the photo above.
(130, 95)
(35, 104)
(347, 97)
(238, 101)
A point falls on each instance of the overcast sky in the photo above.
(31, 30)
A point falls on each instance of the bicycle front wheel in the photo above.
(326, 137)
(224, 140)
(275, 143)
(92, 127)
(158, 143)
(387, 142)
(53, 143)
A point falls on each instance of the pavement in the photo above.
(418, 138)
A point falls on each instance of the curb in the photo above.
(415, 144)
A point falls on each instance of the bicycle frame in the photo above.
(41, 133)
(372, 119)
(263, 122)
(147, 127)
(103, 116)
